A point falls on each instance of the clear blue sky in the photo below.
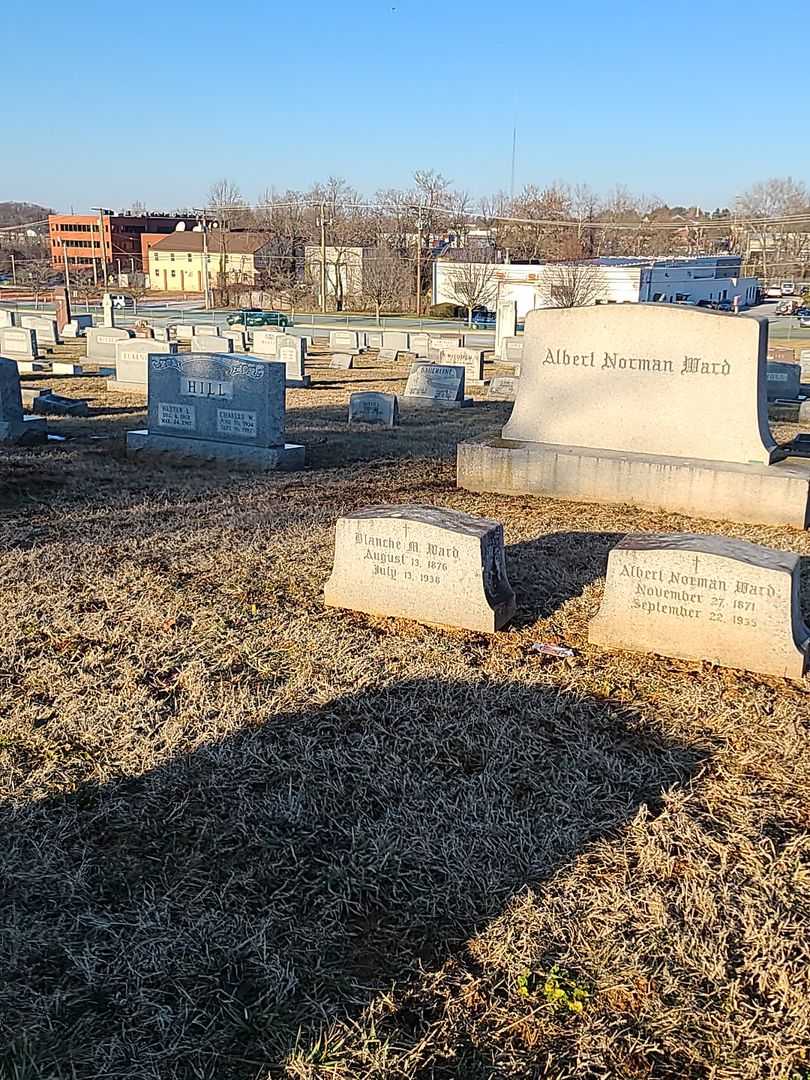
(111, 103)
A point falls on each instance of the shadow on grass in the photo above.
(221, 908)
(552, 569)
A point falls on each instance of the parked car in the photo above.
(804, 322)
(483, 319)
(803, 312)
(257, 317)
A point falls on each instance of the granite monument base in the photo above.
(262, 458)
(777, 494)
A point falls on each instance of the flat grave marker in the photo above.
(503, 388)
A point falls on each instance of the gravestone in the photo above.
(18, 343)
(478, 340)
(782, 354)
(266, 342)
(237, 337)
(46, 329)
(217, 407)
(342, 360)
(505, 325)
(619, 404)
(205, 330)
(804, 364)
(783, 380)
(387, 356)
(15, 428)
(132, 363)
(420, 343)
(343, 341)
(437, 345)
(107, 311)
(472, 360)
(7, 318)
(435, 386)
(704, 598)
(64, 367)
(397, 340)
(183, 332)
(512, 350)
(437, 566)
(61, 303)
(163, 333)
(102, 342)
(374, 339)
(503, 388)
(291, 355)
(201, 343)
(373, 407)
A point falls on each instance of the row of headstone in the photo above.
(650, 405)
(705, 598)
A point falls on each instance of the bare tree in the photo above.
(386, 279)
(472, 284)
(575, 284)
(37, 273)
(764, 207)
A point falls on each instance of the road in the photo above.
(784, 327)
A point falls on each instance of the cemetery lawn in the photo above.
(248, 836)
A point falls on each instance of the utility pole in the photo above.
(13, 269)
(419, 262)
(323, 256)
(102, 245)
(206, 283)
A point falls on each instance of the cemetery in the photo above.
(375, 706)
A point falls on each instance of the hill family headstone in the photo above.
(646, 404)
(704, 598)
(426, 563)
(217, 407)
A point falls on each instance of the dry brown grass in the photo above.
(247, 836)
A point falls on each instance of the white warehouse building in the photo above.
(614, 280)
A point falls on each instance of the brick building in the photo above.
(88, 240)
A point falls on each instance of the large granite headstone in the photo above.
(102, 341)
(647, 404)
(472, 360)
(783, 380)
(373, 407)
(704, 598)
(217, 407)
(46, 328)
(436, 566)
(435, 386)
(132, 363)
(505, 324)
(15, 428)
